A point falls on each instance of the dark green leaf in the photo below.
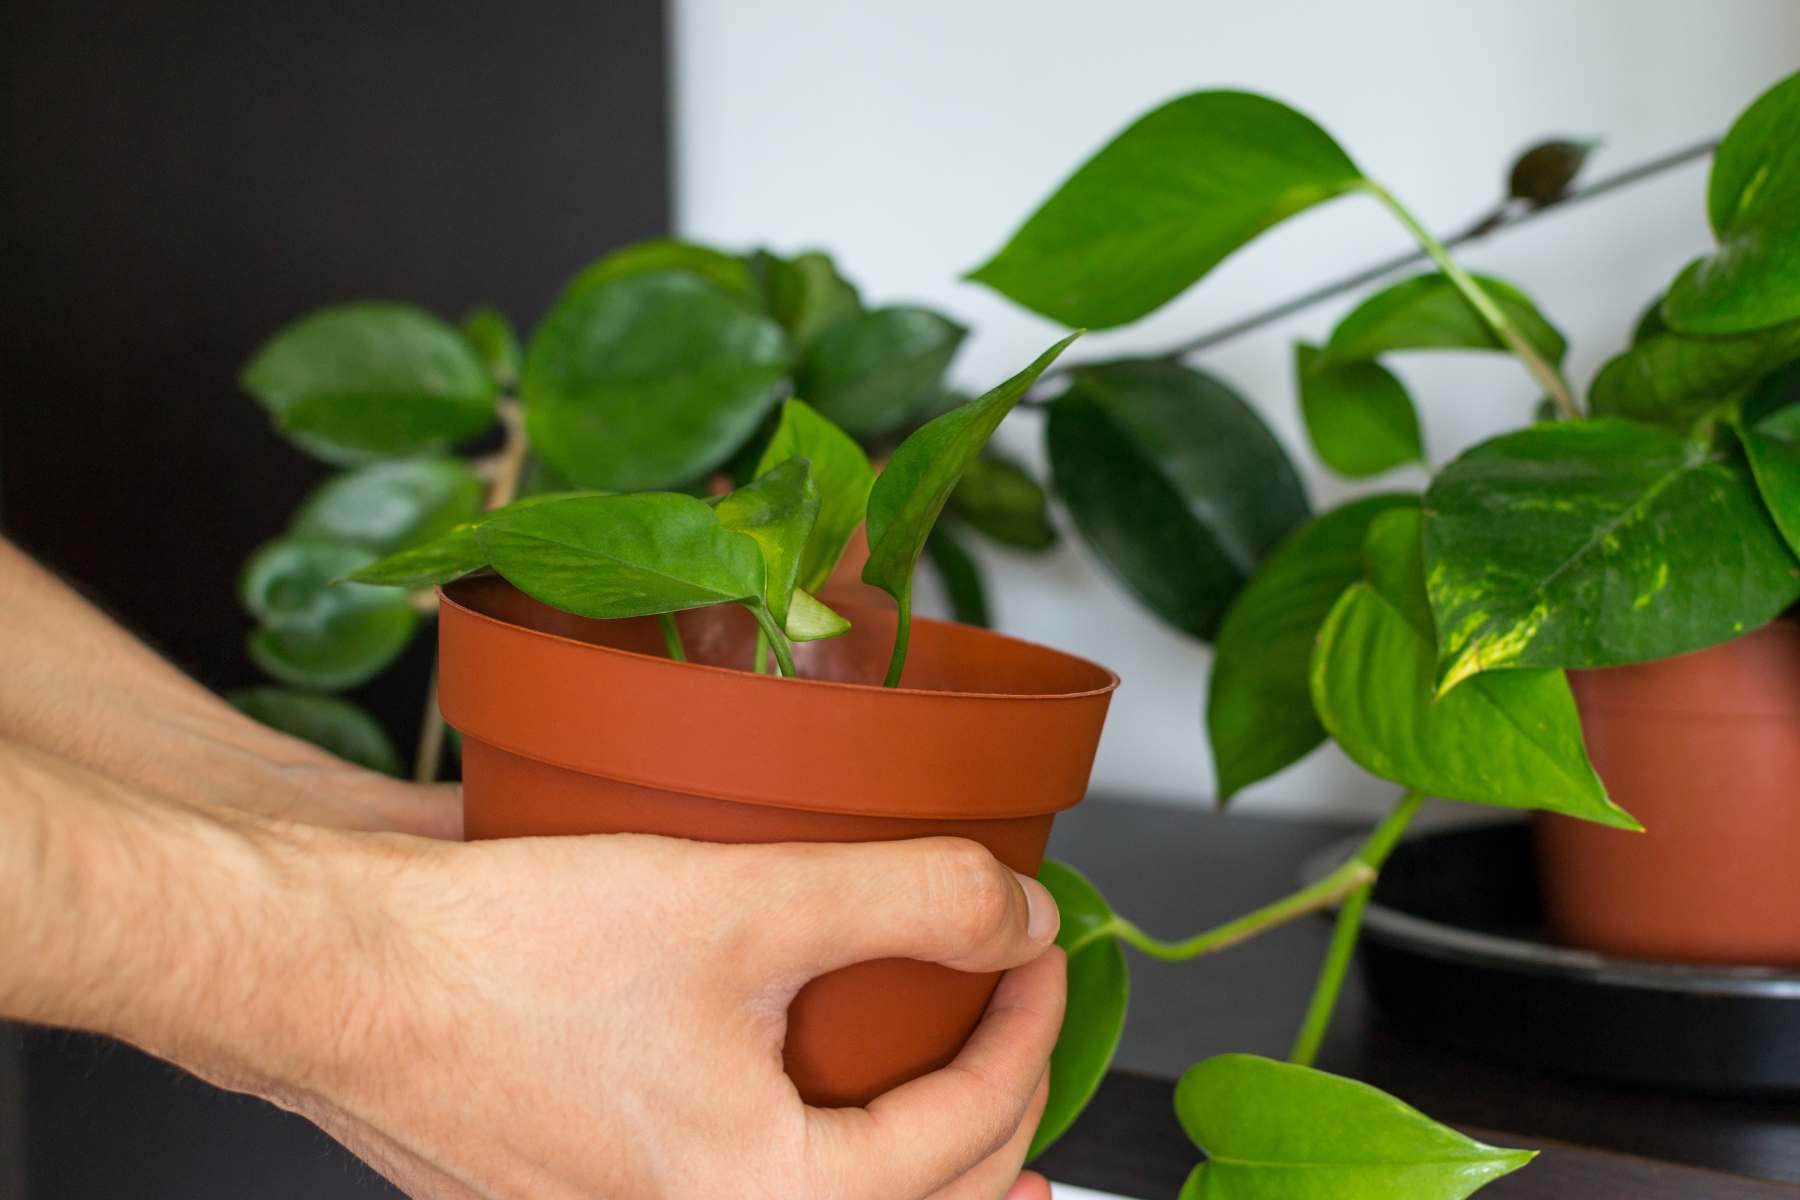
(1427, 312)
(1276, 1131)
(725, 271)
(912, 490)
(778, 510)
(488, 330)
(1159, 206)
(1775, 462)
(1259, 710)
(1773, 405)
(961, 576)
(1174, 481)
(998, 497)
(647, 380)
(391, 506)
(1649, 323)
(844, 477)
(624, 556)
(371, 380)
(806, 296)
(1753, 201)
(873, 372)
(329, 722)
(1544, 172)
(1672, 380)
(1592, 543)
(317, 633)
(1358, 415)
(1099, 989)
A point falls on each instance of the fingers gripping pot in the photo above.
(578, 726)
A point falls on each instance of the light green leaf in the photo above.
(960, 575)
(1276, 1131)
(1358, 415)
(998, 497)
(810, 621)
(450, 556)
(843, 475)
(1428, 312)
(777, 509)
(491, 334)
(389, 506)
(329, 722)
(1394, 564)
(317, 633)
(878, 370)
(1163, 203)
(371, 380)
(1675, 381)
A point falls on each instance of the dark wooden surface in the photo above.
(1178, 870)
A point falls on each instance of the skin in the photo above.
(547, 1018)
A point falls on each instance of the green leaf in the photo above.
(961, 576)
(1358, 415)
(1099, 990)
(317, 633)
(1163, 203)
(1393, 555)
(912, 490)
(810, 621)
(1649, 323)
(842, 472)
(624, 556)
(1593, 543)
(1174, 481)
(725, 271)
(806, 296)
(389, 506)
(1428, 312)
(371, 380)
(1259, 710)
(449, 557)
(1775, 463)
(1276, 1131)
(1543, 173)
(778, 510)
(329, 722)
(648, 380)
(1672, 380)
(1753, 201)
(875, 371)
(491, 334)
(1000, 499)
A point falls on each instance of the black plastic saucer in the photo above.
(1453, 951)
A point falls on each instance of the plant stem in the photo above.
(761, 663)
(672, 636)
(1547, 376)
(1372, 854)
(777, 640)
(431, 734)
(902, 637)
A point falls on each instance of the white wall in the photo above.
(912, 138)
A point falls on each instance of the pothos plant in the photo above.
(1428, 635)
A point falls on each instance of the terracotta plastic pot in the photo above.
(574, 726)
(1704, 750)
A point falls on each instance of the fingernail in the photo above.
(1045, 919)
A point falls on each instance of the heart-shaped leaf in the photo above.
(1753, 201)
(810, 621)
(450, 556)
(1675, 381)
(1359, 417)
(317, 633)
(878, 370)
(998, 497)
(1163, 203)
(960, 575)
(624, 556)
(1394, 564)
(778, 510)
(843, 475)
(1429, 312)
(1099, 991)
(806, 296)
(1174, 481)
(389, 506)
(1259, 710)
(725, 271)
(329, 722)
(491, 334)
(371, 380)
(1276, 1131)
(647, 380)
(1593, 543)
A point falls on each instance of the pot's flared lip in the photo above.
(1111, 678)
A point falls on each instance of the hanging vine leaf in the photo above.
(317, 631)
(727, 272)
(1359, 417)
(806, 296)
(1675, 381)
(961, 577)
(875, 371)
(389, 506)
(1428, 312)
(1000, 499)
(491, 335)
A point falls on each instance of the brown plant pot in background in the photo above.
(574, 726)
(1704, 750)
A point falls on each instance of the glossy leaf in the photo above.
(1394, 564)
(1099, 991)
(998, 497)
(875, 371)
(1259, 710)
(329, 722)
(1753, 201)
(450, 556)
(369, 380)
(961, 577)
(317, 633)
(910, 493)
(1174, 481)
(389, 506)
(1592, 543)
(1672, 380)
(1775, 463)
(624, 556)
(1427, 312)
(492, 336)
(1544, 172)
(647, 380)
(843, 475)
(1276, 1131)
(778, 510)
(725, 271)
(1163, 203)
(806, 296)
(810, 621)
(1359, 417)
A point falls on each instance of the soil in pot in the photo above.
(577, 726)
